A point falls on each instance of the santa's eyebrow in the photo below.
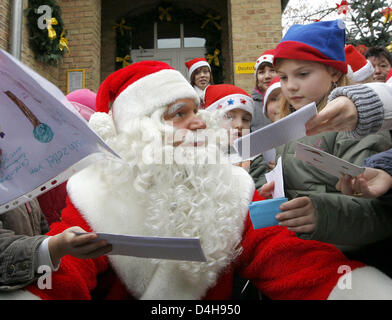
(174, 108)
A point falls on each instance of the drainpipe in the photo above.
(16, 28)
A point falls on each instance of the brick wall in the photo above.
(256, 27)
(82, 19)
(5, 14)
(27, 56)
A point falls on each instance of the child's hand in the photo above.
(267, 189)
(271, 165)
(299, 215)
(79, 246)
(372, 183)
(340, 114)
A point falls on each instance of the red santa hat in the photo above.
(142, 88)
(193, 64)
(227, 97)
(389, 76)
(267, 56)
(274, 84)
(359, 69)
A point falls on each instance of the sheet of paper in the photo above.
(42, 136)
(276, 175)
(326, 162)
(291, 127)
(154, 247)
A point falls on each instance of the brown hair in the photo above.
(286, 108)
(197, 71)
(262, 65)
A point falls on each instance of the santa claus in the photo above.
(167, 185)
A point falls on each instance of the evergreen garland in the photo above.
(371, 27)
(45, 49)
(210, 28)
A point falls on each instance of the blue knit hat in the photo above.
(322, 42)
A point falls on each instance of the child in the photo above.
(237, 107)
(264, 73)
(200, 77)
(310, 60)
(272, 100)
(360, 70)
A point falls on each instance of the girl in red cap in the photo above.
(311, 62)
(200, 77)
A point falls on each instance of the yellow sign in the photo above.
(244, 67)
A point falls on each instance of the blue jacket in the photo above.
(381, 160)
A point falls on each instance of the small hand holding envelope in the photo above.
(262, 213)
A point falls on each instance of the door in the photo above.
(173, 43)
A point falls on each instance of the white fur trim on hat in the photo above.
(271, 88)
(196, 65)
(264, 58)
(233, 101)
(150, 93)
(362, 74)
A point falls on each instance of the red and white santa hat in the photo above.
(274, 84)
(389, 76)
(193, 64)
(140, 89)
(267, 56)
(359, 69)
(227, 97)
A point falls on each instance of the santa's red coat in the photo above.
(280, 265)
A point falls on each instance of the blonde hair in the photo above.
(286, 108)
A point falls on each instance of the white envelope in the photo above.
(276, 175)
(154, 247)
(326, 162)
(291, 127)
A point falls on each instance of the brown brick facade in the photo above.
(248, 28)
(5, 14)
(256, 27)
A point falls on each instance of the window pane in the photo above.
(168, 35)
(143, 36)
(193, 37)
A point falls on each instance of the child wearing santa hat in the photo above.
(310, 60)
(360, 70)
(200, 76)
(236, 109)
(264, 72)
(272, 100)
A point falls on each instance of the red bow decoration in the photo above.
(342, 7)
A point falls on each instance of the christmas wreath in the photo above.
(210, 27)
(47, 35)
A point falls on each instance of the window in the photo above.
(167, 35)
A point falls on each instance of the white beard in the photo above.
(195, 199)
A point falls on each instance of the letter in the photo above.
(154, 310)
(42, 21)
(199, 309)
(45, 281)
(345, 281)
(182, 310)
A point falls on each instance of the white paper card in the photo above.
(276, 175)
(326, 162)
(42, 136)
(291, 127)
(188, 249)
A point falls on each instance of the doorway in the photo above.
(171, 43)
